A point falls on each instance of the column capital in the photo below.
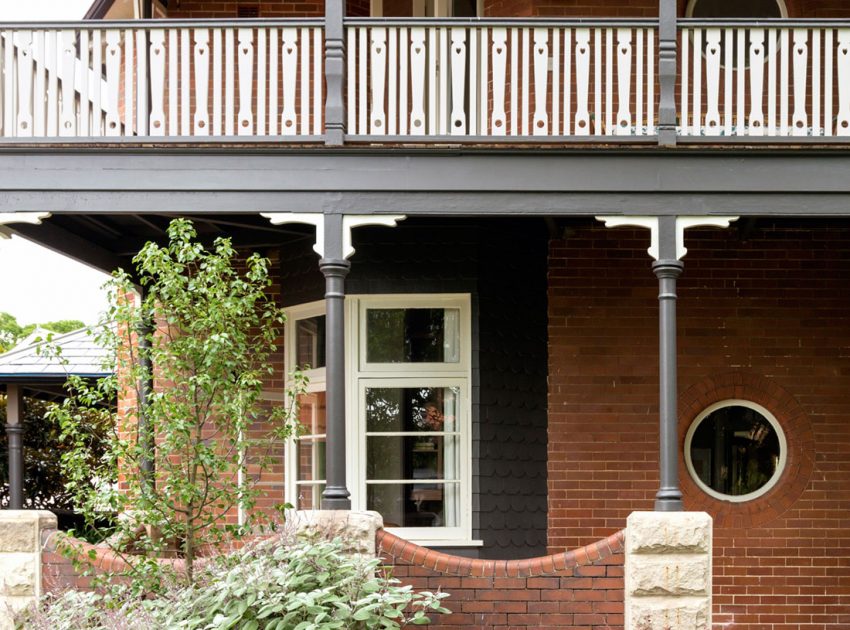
(666, 244)
(668, 268)
(329, 243)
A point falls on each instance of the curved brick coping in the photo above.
(100, 558)
(400, 549)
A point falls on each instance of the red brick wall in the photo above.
(765, 318)
(577, 590)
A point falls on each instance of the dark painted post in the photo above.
(146, 441)
(668, 268)
(335, 268)
(335, 72)
(667, 72)
(14, 437)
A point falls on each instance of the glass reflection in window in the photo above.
(412, 335)
(413, 455)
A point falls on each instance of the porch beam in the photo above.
(14, 437)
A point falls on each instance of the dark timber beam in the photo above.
(430, 183)
(60, 240)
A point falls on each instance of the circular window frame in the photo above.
(783, 9)
(780, 466)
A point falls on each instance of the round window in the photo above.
(735, 450)
(736, 9)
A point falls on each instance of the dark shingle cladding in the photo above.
(502, 264)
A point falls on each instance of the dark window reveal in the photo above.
(735, 451)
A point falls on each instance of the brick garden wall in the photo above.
(763, 315)
(576, 590)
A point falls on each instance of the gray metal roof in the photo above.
(80, 355)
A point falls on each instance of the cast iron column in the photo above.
(14, 437)
(146, 440)
(668, 269)
(335, 268)
(667, 71)
(334, 72)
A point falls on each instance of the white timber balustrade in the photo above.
(203, 79)
(771, 79)
(487, 79)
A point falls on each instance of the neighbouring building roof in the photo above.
(80, 355)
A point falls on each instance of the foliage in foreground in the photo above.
(308, 585)
(204, 333)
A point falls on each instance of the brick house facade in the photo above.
(549, 362)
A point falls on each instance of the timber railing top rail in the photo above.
(507, 22)
(104, 25)
(763, 23)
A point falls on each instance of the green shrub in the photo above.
(308, 585)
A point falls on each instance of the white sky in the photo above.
(43, 10)
(37, 285)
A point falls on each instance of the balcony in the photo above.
(424, 81)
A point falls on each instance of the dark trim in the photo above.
(37, 378)
(162, 23)
(507, 22)
(448, 182)
(509, 140)
(60, 240)
(98, 10)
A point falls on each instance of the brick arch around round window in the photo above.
(795, 424)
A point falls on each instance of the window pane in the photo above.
(311, 413)
(310, 451)
(412, 335)
(415, 505)
(396, 409)
(311, 459)
(412, 457)
(735, 450)
(309, 496)
(310, 342)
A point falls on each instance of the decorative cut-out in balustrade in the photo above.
(159, 81)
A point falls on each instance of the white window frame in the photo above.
(316, 383)
(780, 466)
(361, 375)
(442, 8)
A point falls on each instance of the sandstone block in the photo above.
(669, 575)
(668, 532)
(18, 574)
(356, 529)
(670, 614)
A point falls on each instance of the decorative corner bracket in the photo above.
(654, 225)
(349, 222)
(21, 217)
(316, 219)
(319, 220)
